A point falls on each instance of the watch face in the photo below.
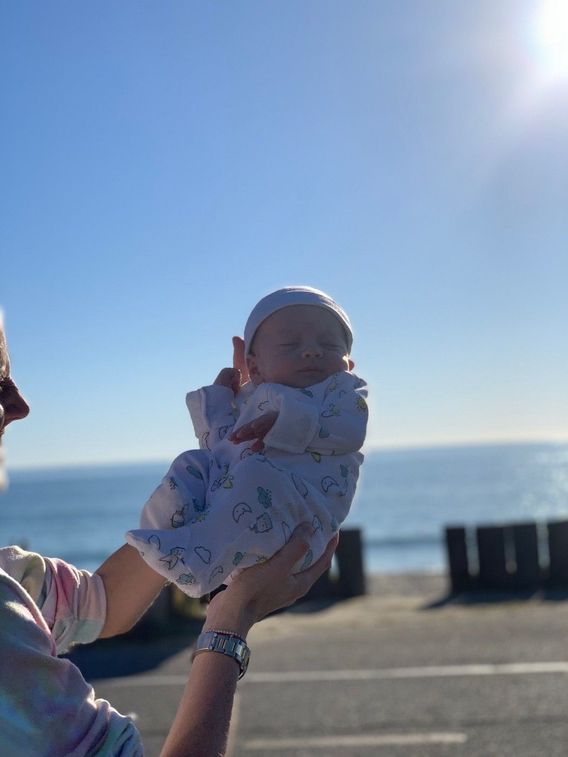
(242, 655)
(245, 658)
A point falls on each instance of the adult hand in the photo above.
(229, 377)
(256, 429)
(233, 378)
(239, 358)
(257, 591)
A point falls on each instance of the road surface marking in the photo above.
(343, 742)
(315, 676)
(430, 671)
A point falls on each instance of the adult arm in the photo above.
(72, 601)
(201, 725)
(46, 706)
(131, 586)
(77, 606)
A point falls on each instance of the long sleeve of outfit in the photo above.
(46, 706)
(330, 418)
(225, 506)
(213, 412)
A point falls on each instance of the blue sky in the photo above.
(164, 165)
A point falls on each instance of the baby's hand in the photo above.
(229, 377)
(256, 429)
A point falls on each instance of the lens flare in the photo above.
(551, 37)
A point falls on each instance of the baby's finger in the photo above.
(242, 434)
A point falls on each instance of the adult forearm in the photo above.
(201, 725)
(131, 586)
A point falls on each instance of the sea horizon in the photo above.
(136, 462)
(405, 499)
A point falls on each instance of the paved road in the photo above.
(381, 675)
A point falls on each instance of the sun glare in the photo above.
(551, 37)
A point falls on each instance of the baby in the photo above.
(279, 450)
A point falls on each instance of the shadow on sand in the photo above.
(475, 598)
(128, 655)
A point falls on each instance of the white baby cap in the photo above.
(294, 295)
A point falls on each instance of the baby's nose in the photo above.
(312, 350)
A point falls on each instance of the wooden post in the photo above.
(525, 539)
(324, 588)
(458, 564)
(349, 556)
(558, 553)
(492, 558)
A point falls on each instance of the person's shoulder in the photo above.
(11, 594)
(26, 568)
(21, 623)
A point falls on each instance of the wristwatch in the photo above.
(226, 643)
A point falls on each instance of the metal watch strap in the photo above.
(225, 643)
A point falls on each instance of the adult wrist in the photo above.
(229, 613)
(225, 643)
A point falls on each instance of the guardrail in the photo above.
(511, 557)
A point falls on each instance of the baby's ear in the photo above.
(351, 364)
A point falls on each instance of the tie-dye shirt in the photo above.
(46, 706)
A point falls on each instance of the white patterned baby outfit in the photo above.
(224, 506)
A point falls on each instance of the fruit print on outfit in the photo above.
(224, 506)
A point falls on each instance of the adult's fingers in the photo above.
(239, 359)
(297, 546)
(308, 577)
(272, 585)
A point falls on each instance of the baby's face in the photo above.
(298, 346)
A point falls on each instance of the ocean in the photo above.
(404, 500)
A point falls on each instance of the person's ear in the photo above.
(351, 364)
